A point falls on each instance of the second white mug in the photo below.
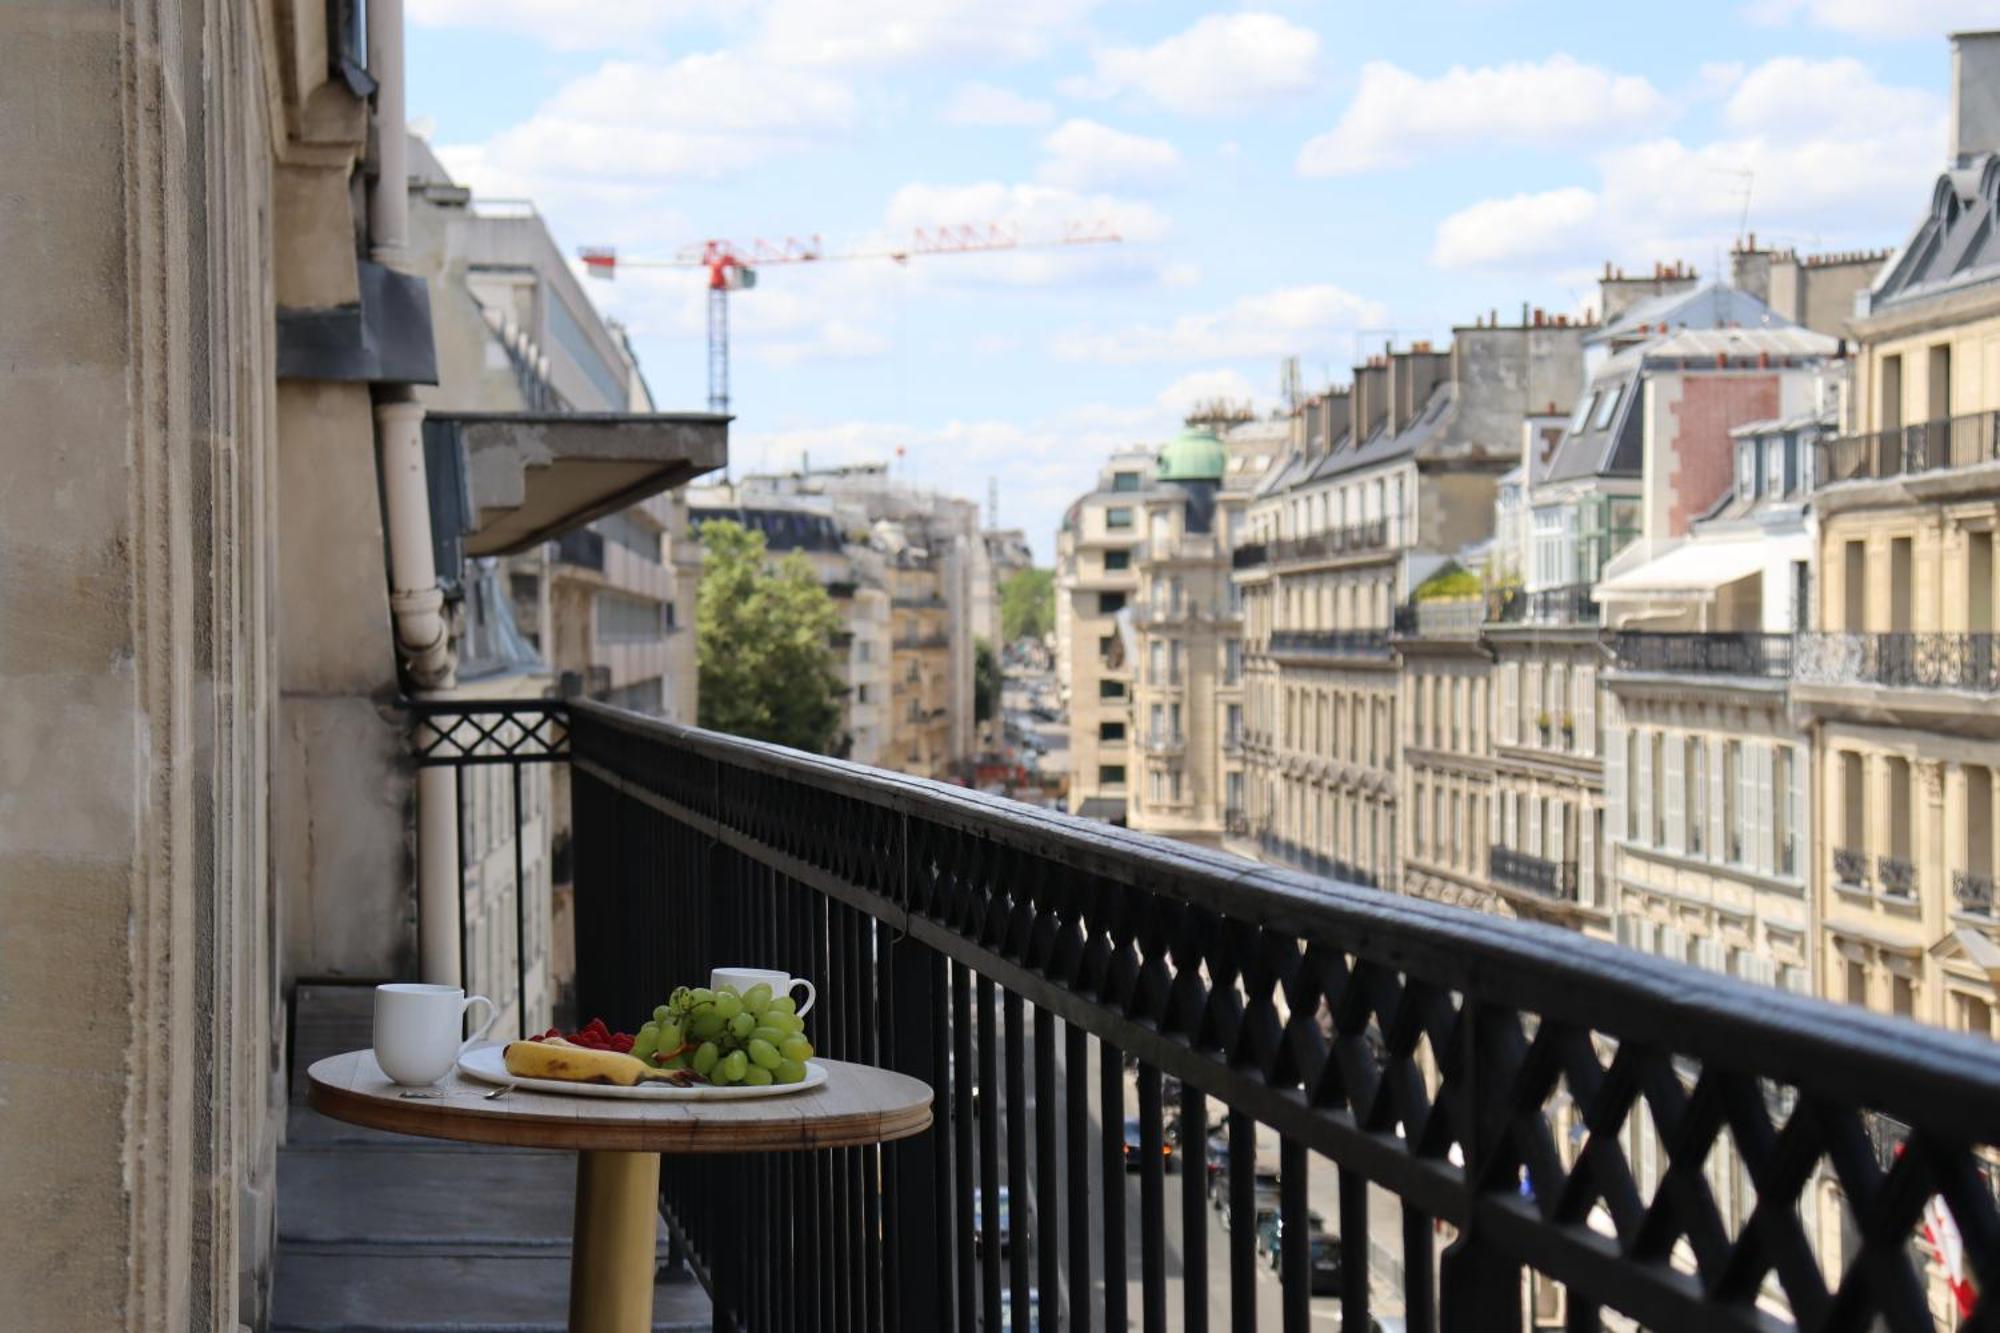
(781, 983)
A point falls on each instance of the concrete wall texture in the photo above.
(138, 641)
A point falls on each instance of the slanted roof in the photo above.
(1957, 244)
(1712, 306)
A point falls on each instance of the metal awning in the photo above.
(1697, 569)
(531, 477)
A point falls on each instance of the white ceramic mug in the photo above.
(781, 983)
(417, 1027)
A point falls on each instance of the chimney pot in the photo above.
(1975, 95)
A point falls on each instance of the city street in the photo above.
(1322, 1194)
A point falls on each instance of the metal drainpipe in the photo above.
(423, 635)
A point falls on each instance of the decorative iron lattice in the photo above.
(1493, 1075)
(1900, 661)
(1898, 876)
(459, 732)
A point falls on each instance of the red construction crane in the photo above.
(733, 265)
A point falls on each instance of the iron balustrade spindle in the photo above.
(1019, 1202)
(1439, 1055)
(1194, 1209)
(1152, 1203)
(1076, 1156)
(1111, 1119)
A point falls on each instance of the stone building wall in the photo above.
(138, 645)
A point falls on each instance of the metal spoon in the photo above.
(500, 1091)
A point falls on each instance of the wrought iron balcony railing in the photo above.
(1551, 879)
(1571, 604)
(1928, 446)
(919, 642)
(1252, 555)
(1330, 643)
(1047, 976)
(1355, 538)
(1851, 867)
(1236, 821)
(1163, 742)
(1903, 661)
(1766, 655)
(1974, 893)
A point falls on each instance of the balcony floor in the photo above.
(382, 1233)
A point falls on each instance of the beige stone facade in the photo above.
(1097, 582)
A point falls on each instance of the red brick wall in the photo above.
(1701, 458)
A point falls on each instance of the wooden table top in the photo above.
(856, 1106)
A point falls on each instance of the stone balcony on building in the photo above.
(1757, 655)
(1329, 644)
(1461, 619)
(1571, 604)
(1252, 555)
(1551, 879)
(1900, 660)
(1164, 742)
(1904, 451)
(1363, 538)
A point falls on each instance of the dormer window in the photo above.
(1124, 481)
(1609, 409)
(1583, 411)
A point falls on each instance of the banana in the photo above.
(574, 1064)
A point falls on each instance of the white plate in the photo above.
(488, 1064)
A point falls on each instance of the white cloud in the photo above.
(1521, 227)
(1223, 63)
(1085, 155)
(703, 116)
(985, 104)
(1397, 116)
(1876, 18)
(1206, 386)
(1830, 157)
(1271, 324)
(835, 340)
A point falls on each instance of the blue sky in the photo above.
(1289, 178)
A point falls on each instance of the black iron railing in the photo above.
(1900, 660)
(582, 548)
(492, 748)
(919, 642)
(1250, 556)
(1048, 976)
(1571, 604)
(1973, 893)
(1551, 879)
(1925, 447)
(1329, 643)
(1745, 654)
(1354, 538)
(1458, 618)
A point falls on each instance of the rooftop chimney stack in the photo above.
(1975, 95)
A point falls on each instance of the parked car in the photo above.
(1216, 1158)
(1133, 1143)
(1323, 1249)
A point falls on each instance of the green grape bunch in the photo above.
(753, 1039)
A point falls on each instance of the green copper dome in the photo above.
(1193, 455)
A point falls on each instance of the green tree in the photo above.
(1028, 604)
(762, 640)
(985, 681)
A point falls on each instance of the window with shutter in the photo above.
(1768, 797)
(1799, 828)
(1510, 816)
(1534, 844)
(1640, 782)
(1614, 783)
(1675, 793)
(1715, 803)
(1586, 860)
(1531, 703)
(1586, 710)
(1510, 703)
(1744, 830)
(1555, 844)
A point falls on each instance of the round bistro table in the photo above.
(618, 1142)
